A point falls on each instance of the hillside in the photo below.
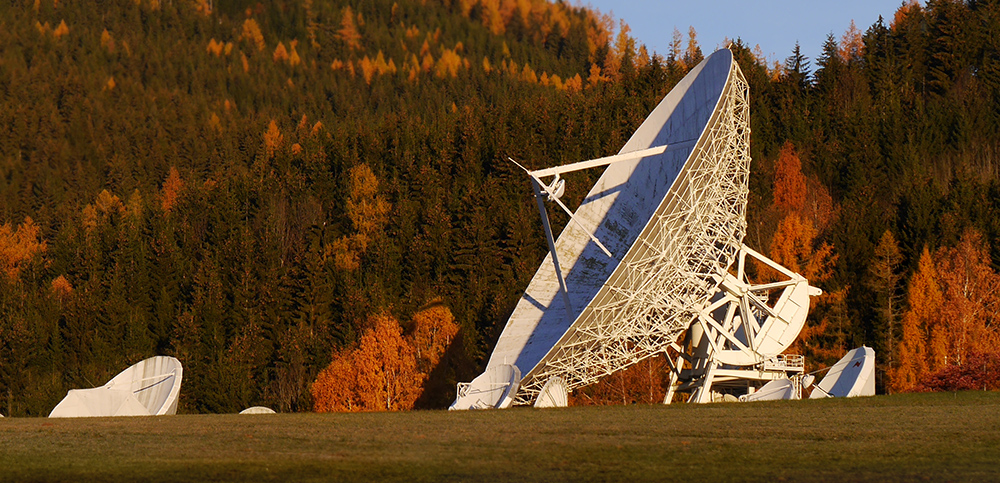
(247, 186)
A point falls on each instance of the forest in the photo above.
(308, 202)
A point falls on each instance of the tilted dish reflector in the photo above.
(493, 389)
(553, 394)
(147, 388)
(852, 376)
(775, 390)
(673, 223)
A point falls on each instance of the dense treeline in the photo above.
(258, 189)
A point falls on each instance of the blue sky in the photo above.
(773, 24)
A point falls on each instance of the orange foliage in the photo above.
(214, 122)
(61, 287)
(379, 375)
(388, 379)
(215, 48)
(348, 32)
(383, 67)
(492, 18)
(623, 48)
(280, 53)
(595, 76)
(335, 386)
(412, 32)
(172, 188)
(574, 84)
(952, 312)
(367, 210)
(203, 7)
(793, 246)
(367, 69)
(433, 330)
(789, 182)
(273, 139)
(642, 57)
(19, 246)
(852, 44)
(528, 75)
(107, 42)
(969, 312)
(448, 64)
(110, 84)
(251, 33)
(692, 55)
(598, 34)
(60, 30)
(924, 298)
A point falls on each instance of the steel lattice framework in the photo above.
(669, 276)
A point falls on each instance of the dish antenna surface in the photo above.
(648, 257)
(645, 252)
(257, 410)
(852, 376)
(148, 388)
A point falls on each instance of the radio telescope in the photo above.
(647, 258)
(147, 388)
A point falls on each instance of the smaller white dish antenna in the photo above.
(554, 394)
(257, 410)
(851, 376)
(775, 390)
(808, 380)
(556, 189)
(148, 388)
(493, 389)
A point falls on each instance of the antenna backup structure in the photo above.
(653, 260)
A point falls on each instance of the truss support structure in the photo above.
(737, 343)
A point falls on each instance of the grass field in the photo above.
(938, 437)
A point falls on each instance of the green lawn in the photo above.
(903, 438)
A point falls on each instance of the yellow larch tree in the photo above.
(251, 33)
(924, 299)
(19, 246)
(172, 188)
(789, 182)
(348, 32)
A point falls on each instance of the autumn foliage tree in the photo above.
(379, 375)
(953, 304)
(386, 371)
(19, 246)
(924, 299)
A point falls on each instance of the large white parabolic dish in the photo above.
(147, 388)
(673, 223)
